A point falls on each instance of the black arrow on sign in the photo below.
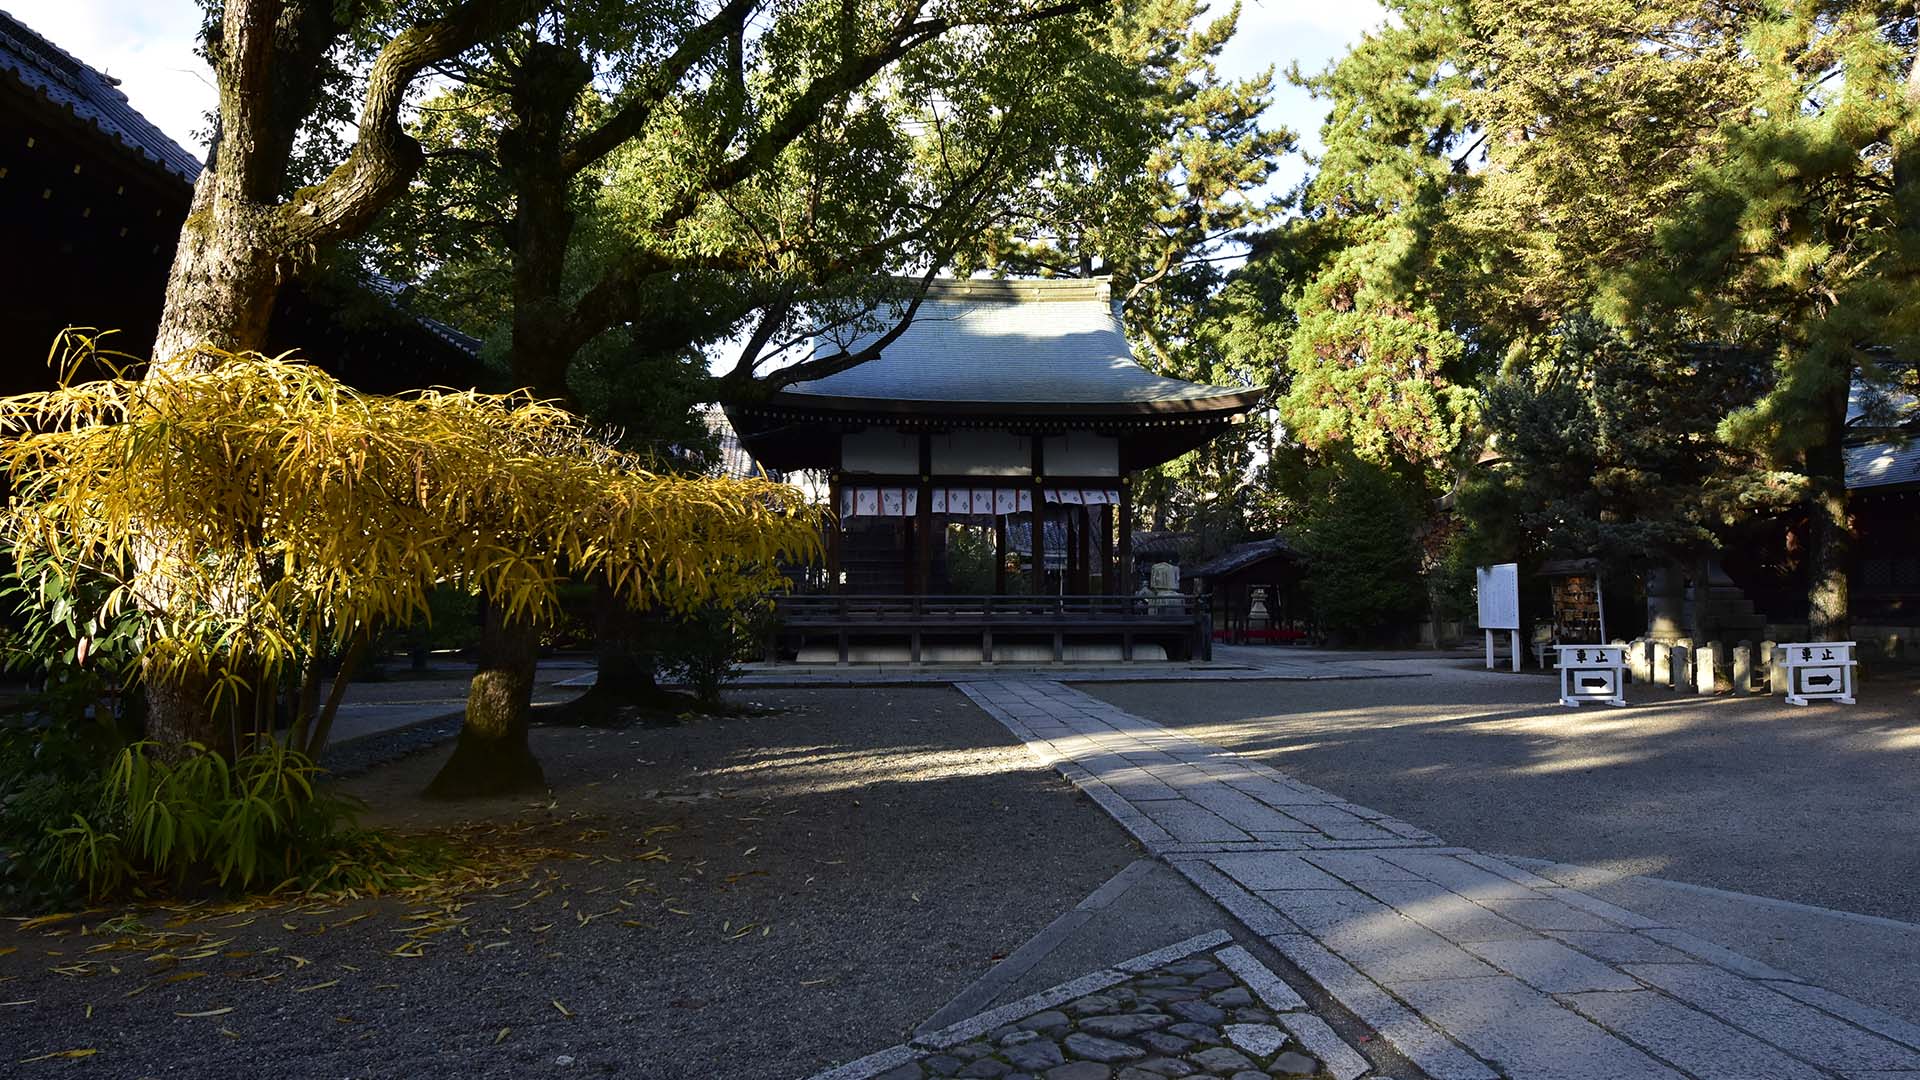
(1820, 680)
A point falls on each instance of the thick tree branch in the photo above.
(908, 34)
(632, 119)
(772, 316)
(385, 159)
(822, 366)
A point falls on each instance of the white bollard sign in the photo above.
(1592, 673)
(1819, 671)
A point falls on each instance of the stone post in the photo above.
(1640, 660)
(1743, 668)
(1776, 661)
(1681, 677)
(1662, 664)
(1706, 666)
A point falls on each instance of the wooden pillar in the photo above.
(1070, 567)
(1082, 550)
(925, 517)
(1039, 545)
(1089, 518)
(1108, 577)
(1037, 442)
(1125, 584)
(999, 554)
(907, 561)
(836, 529)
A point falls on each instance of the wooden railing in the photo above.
(1185, 619)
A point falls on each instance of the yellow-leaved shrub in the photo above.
(256, 507)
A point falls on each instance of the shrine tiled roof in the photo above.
(983, 343)
(1884, 463)
(68, 84)
(1241, 556)
(1883, 449)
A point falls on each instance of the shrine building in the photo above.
(1005, 404)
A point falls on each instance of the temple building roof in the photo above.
(1035, 359)
(1019, 346)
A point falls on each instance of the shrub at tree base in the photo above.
(702, 649)
(253, 823)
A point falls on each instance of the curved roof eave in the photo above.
(1226, 401)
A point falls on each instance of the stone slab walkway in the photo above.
(1472, 967)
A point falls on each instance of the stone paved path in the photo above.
(1190, 1009)
(1473, 968)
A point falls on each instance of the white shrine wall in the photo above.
(982, 453)
(890, 453)
(1081, 453)
(979, 453)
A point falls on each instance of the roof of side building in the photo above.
(67, 83)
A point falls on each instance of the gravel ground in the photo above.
(742, 898)
(1813, 805)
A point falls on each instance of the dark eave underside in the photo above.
(788, 437)
(831, 409)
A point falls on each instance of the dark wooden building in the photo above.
(92, 197)
(1256, 592)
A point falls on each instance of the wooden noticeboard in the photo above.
(1576, 609)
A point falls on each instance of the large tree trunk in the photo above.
(178, 715)
(1829, 614)
(228, 267)
(492, 756)
(625, 668)
(221, 293)
(225, 279)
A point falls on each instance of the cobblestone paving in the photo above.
(1192, 1009)
(1471, 967)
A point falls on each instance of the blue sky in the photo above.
(149, 45)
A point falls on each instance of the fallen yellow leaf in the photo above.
(222, 1011)
(49, 920)
(59, 1054)
(562, 1008)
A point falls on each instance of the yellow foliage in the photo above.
(259, 506)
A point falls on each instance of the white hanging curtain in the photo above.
(879, 502)
(1084, 496)
(905, 501)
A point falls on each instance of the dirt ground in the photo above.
(741, 898)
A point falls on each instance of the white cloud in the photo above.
(147, 44)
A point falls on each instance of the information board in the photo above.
(1499, 590)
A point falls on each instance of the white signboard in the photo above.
(1592, 673)
(1819, 671)
(1499, 591)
